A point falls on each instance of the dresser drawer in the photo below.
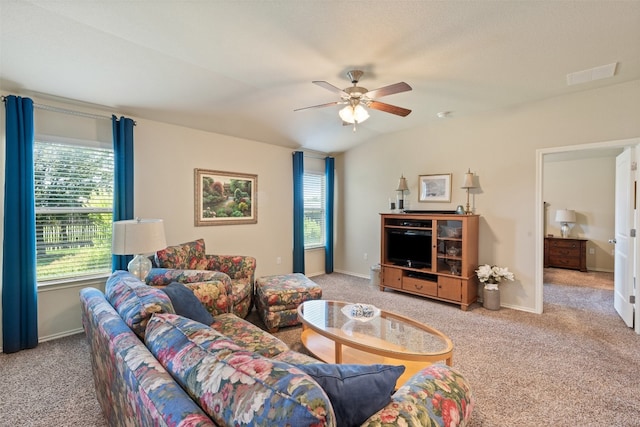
(420, 286)
(564, 244)
(565, 252)
(566, 262)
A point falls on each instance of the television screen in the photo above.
(409, 247)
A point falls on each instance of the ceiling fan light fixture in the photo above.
(357, 98)
(354, 114)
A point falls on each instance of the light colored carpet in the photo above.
(590, 279)
(575, 365)
(50, 385)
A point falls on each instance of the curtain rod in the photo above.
(68, 111)
(314, 155)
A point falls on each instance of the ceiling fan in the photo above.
(357, 98)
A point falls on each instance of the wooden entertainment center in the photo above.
(434, 255)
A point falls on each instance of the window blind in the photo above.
(73, 205)
(314, 207)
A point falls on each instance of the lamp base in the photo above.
(564, 230)
(468, 209)
(140, 266)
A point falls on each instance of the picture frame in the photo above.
(225, 198)
(435, 188)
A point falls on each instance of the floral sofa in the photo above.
(177, 264)
(153, 367)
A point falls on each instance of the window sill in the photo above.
(73, 282)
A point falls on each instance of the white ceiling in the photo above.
(241, 67)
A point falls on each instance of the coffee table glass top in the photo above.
(389, 332)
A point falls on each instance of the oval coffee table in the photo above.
(389, 338)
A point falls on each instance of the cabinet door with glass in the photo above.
(450, 247)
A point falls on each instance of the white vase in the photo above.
(491, 299)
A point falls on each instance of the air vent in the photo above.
(597, 73)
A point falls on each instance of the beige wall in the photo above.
(585, 185)
(165, 158)
(500, 147)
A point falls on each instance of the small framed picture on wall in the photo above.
(435, 188)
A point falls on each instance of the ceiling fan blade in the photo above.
(388, 108)
(328, 104)
(330, 87)
(388, 90)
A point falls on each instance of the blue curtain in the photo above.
(329, 166)
(19, 286)
(298, 212)
(123, 176)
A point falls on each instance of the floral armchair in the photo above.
(189, 264)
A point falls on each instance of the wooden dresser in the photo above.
(565, 253)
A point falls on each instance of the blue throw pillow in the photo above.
(356, 391)
(186, 304)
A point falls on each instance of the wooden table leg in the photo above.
(338, 352)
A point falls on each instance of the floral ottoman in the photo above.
(277, 298)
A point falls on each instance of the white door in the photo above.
(624, 244)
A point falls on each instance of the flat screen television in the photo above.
(409, 248)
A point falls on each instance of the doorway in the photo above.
(609, 148)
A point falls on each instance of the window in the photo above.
(74, 208)
(314, 208)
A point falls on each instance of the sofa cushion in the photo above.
(356, 391)
(294, 357)
(134, 301)
(248, 335)
(235, 386)
(187, 256)
(186, 304)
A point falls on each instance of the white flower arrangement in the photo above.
(491, 275)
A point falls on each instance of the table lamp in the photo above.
(468, 184)
(137, 237)
(565, 216)
(402, 187)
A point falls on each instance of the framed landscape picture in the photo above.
(435, 188)
(223, 198)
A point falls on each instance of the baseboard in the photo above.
(600, 270)
(348, 273)
(519, 308)
(351, 273)
(60, 335)
(318, 273)
(56, 336)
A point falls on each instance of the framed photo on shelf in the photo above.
(225, 198)
(435, 188)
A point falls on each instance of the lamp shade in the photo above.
(565, 215)
(402, 184)
(138, 236)
(468, 180)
